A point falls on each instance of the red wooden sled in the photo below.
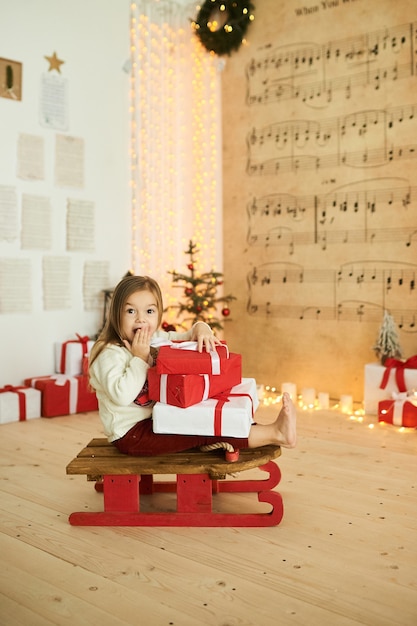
(124, 480)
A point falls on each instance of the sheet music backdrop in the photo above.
(320, 192)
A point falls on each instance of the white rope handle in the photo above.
(231, 454)
(218, 445)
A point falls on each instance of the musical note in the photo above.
(349, 279)
(289, 238)
(335, 64)
(254, 277)
(355, 220)
(336, 142)
(320, 213)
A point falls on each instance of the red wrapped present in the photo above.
(85, 365)
(183, 358)
(400, 411)
(184, 390)
(19, 404)
(229, 415)
(64, 395)
(69, 355)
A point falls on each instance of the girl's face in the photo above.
(140, 311)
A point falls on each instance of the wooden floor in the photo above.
(345, 552)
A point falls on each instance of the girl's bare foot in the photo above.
(285, 423)
(282, 432)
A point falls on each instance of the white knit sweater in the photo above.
(117, 377)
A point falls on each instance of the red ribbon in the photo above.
(222, 398)
(21, 398)
(399, 367)
(83, 340)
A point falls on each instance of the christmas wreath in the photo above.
(221, 24)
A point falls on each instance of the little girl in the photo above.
(119, 362)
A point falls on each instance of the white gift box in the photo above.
(13, 409)
(69, 356)
(227, 415)
(373, 394)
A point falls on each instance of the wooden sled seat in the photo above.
(124, 479)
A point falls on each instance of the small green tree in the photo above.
(201, 300)
(388, 343)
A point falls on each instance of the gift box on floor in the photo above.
(401, 410)
(183, 358)
(397, 378)
(184, 390)
(69, 355)
(19, 404)
(64, 395)
(229, 415)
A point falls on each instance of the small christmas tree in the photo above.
(388, 343)
(200, 291)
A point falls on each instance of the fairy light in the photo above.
(174, 147)
(272, 396)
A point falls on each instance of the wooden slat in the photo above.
(97, 459)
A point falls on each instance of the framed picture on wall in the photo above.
(10, 79)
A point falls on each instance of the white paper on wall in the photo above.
(36, 223)
(56, 283)
(96, 279)
(30, 157)
(54, 102)
(69, 161)
(8, 213)
(80, 225)
(15, 286)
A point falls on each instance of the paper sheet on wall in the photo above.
(15, 286)
(54, 102)
(96, 279)
(8, 213)
(69, 161)
(56, 283)
(36, 223)
(80, 225)
(30, 157)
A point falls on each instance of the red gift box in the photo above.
(399, 411)
(183, 358)
(184, 390)
(64, 395)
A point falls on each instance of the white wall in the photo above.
(92, 37)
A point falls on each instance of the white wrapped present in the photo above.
(19, 403)
(227, 415)
(376, 375)
(69, 355)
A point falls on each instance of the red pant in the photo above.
(140, 440)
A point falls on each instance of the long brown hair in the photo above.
(111, 332)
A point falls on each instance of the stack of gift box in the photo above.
(65, 392)
(201, 393)
(391, 391)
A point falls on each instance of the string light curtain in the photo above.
(175, 143)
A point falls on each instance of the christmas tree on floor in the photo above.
(388, 343)
(201, 299)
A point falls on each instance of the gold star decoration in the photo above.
(54, 63)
